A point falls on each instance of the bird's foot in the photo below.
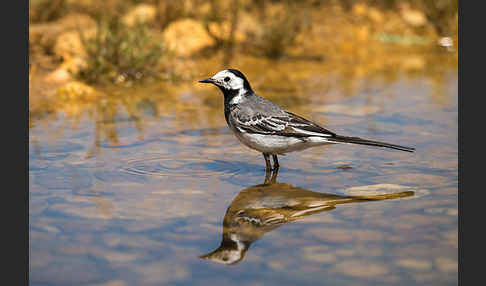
(273, 172)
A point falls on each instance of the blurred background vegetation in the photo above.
(127, 40)
(78, 49)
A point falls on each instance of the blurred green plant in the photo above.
(281, 28)
(278, 34)
(118, 53)
(280, 21)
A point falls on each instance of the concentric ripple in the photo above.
(182, 166)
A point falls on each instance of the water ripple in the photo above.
(182, 166)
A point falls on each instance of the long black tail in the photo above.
(356, 140)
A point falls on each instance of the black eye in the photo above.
(226, 79)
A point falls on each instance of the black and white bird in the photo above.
(263, 126)
(260, 209)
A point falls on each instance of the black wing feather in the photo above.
(293, 125)
(286, 125)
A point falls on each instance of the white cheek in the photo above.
(236, 83)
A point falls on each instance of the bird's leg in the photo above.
(275, 162)
(267, 161)
(273, 180)
(267, 177)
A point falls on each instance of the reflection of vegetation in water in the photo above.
(291, 84)
(349, 61)
(105, 109)
(112, 109)
(262, 208)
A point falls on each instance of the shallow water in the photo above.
(147, 186)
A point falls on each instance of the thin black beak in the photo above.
(208, 80)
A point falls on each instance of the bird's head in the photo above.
(229, 81)
(230, 251)
(225, 256)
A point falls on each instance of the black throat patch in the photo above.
(229, 94)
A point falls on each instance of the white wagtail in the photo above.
(261, 125)
(260, 209)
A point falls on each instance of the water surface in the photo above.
(147, 186)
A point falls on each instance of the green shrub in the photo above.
(118, 53)
(281, 28)
(278, 35)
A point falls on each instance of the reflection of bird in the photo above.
(265, 127)
(262, 208)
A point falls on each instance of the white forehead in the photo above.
(223, 74)
(235, 82)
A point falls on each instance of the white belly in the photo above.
(275, 144)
